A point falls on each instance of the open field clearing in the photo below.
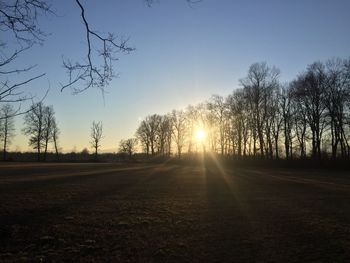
(172, 213)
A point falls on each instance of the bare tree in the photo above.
(128, 146)
(143, 135)
(217, 109)
(96, 137)
(55, 132)
(237, 110)
(179, 130)
(287, 116)
(35, 127)
(164, 133)
(49, 120)
(152, 123)
(261, 79)
(7, 127)
(310, 114)
(337, 95)
(311, 93)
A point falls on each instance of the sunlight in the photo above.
(200, 135)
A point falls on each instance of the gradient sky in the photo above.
(183, 55)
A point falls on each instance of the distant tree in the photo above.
(35, 127)
(259, 82)
(217, 110)
(237, 109)
(7, 126)
(148, 133)
(153, 122)
(311, 92)
(192, 124)
(287, 116)
(164, 133)
(179, 130)
(85, 151)
(128, 146)
(49, 123)
(96, 137)
(55, 132)
(143, 135)
(336, 99)
(311, 114)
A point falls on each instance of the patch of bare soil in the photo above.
(172, 213)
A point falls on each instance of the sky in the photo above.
(184, 54)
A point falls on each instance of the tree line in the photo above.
(41, 127)
(308, 117)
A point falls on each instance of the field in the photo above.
(172, 213)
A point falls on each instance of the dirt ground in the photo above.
(172, 213)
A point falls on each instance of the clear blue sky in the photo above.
(183, 55)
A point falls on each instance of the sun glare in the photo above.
(200, 135)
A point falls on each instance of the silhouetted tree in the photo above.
(164, 133)
(217, 109)
(55, 132)
(143, 136)
(35, 127)
(7, 127)
(96, 137)
(150, 128)
(312, 94)
(336, 98)
(265, 118)
(49, 123)
(258, 84)
(128, 146)
(179, 129)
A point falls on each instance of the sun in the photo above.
(200, 135)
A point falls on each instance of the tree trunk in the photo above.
(56, 149)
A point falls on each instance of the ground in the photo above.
(172, 213)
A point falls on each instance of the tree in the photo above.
(237, 110)
(148, 133)
(311, 114)
(311, 92)
(35, 127)
(55, 132)
(7, 127)
(258, 84)
(143, 136)
(287, 117)
(179, 129)
(128, 146)
(40, 125)
(96, 137)
(49, 123)
(337, 95)
(164, 133)
(217, 109)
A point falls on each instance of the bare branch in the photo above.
(88, 72)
